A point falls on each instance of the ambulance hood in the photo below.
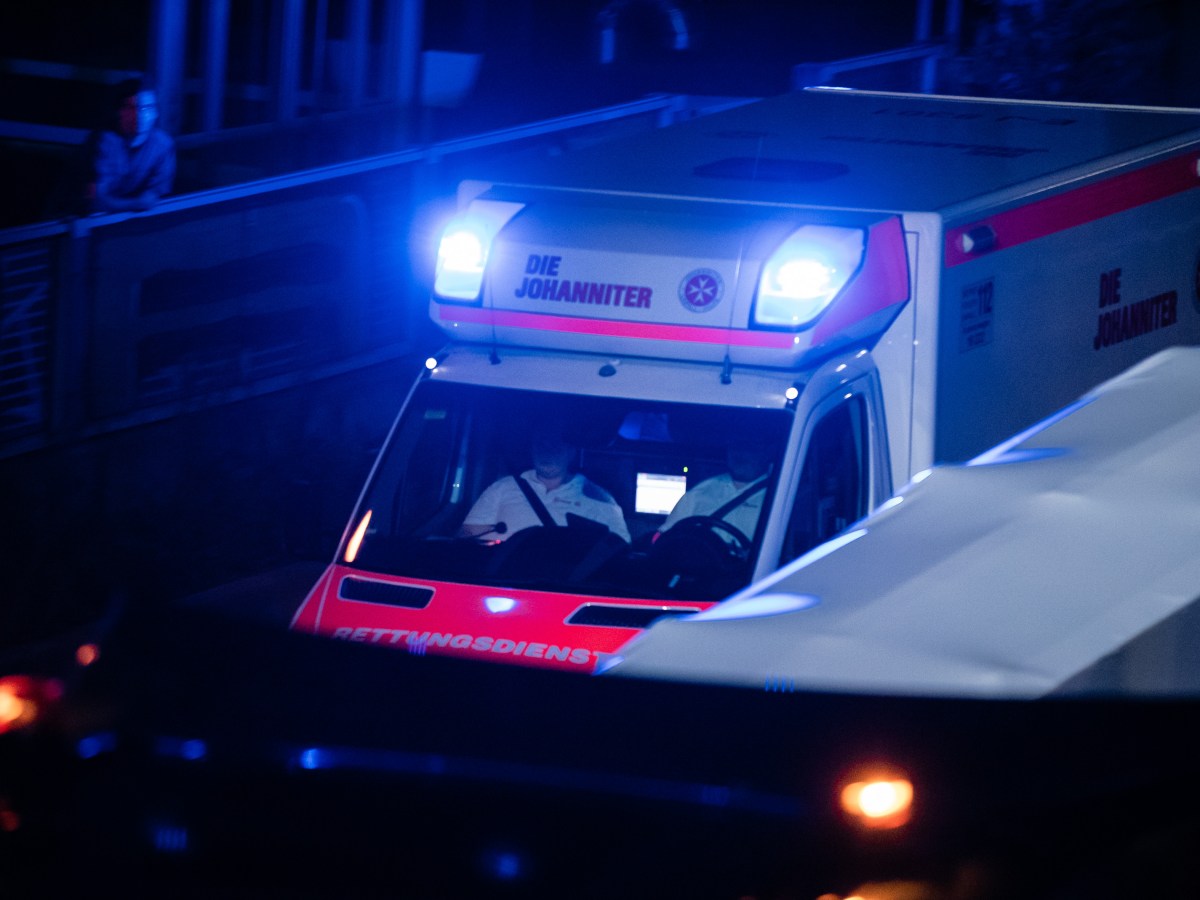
(1063, 561)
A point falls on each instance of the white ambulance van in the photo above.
(780, 312)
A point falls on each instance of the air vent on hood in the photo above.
(606, 616)
(368, 591)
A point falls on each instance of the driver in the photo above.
(560, 490)
(749, 463)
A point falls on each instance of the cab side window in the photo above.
(833, 482)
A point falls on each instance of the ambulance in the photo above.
(854, 285)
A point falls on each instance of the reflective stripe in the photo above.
(1080, 206)
(643, 330)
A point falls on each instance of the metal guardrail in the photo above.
(110, 321)
(910, 68)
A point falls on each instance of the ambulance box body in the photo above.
(861, 284)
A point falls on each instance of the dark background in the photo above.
(169, 509)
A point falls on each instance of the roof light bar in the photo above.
(464, 249)
(806, 273)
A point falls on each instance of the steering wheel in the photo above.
(709, 532)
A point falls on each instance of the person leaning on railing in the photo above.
(127, 165)
(134, 161)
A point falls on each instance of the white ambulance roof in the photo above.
(1064, 561)
(863, 150)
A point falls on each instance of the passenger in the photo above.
(133, 165)
(504, 507)
(749, 464)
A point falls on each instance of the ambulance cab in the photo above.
(682, 354)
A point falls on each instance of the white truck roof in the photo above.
(1062, 561)
(871, 151)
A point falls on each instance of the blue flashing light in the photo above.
(462, 255)
(806, 273)
(465, 247)
(499, 604)
(462, 250)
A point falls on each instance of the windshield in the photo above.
(457, 492)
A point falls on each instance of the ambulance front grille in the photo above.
(606, 616)
(368, 591)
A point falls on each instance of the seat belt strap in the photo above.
(741, 498)
(536, 502)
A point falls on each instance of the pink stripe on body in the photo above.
(651, 331)
(1080, 206)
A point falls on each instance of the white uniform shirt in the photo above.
(710, 495)
(503, 501)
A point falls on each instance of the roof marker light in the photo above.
(980, 239)
(465, 246)
(803, 276)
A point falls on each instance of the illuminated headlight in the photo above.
(803, 276)
(464, 248)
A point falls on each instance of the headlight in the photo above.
(806, 273)
(464, 248)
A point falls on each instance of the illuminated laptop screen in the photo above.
(657, 494)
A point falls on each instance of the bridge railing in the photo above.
(110, 321)
(913, 68)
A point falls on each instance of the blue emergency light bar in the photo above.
(464, 249)
(802, 277)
